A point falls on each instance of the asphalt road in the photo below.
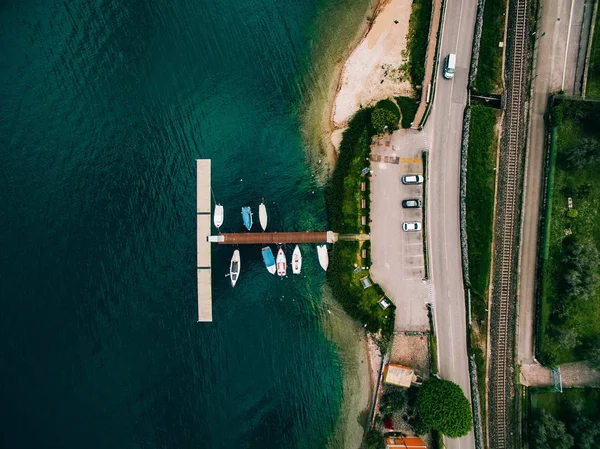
(444, 131)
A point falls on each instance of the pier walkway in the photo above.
(260, 238)
(203, 230)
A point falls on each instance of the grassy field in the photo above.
(481, 178)
(409, 107)
(418, 38)
(593, 81)
(489, 67)
(570, 407)
(568, 323)
(343, 197)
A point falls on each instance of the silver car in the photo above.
(412, 179)
(410, 226)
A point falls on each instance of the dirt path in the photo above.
(577, 374)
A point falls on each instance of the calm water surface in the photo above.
(104, 105)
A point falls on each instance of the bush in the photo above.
(572, 213)
(374, 440)
(444, 407)
(384, 120)
(489, 66)
(418, 38)
(408, 107)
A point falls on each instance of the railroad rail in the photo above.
(503, 300)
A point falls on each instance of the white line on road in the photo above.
(562, 86)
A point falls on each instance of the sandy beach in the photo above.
(373, 70)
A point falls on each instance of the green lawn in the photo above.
(418, 38)
(573, 121)
(481, 178)
(489, 67)
(593, 81)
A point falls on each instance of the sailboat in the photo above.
(218, 216)
(281, 263)
(234, 267)
(296, 260)
(269, 259)
(262, 215)
(247, 217)
(323, 256)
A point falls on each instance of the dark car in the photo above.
(411, 204)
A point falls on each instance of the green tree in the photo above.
(580, 276)
(443, 407)
(590, 351)
(585, 152)
(392, 400)
(383, 120)
(550, 433)
(586, 432)
(374, 440)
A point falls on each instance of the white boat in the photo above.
(218, 216)
(281, 263)
(262, 216)
(234, 267)
(296, 260)
(323, 256)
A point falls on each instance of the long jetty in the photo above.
(260, 238)
(203, 230)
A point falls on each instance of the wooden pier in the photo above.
(266, 238)
(203, 231)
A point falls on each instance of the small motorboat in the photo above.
(296, 260)
(262, 216)
(234, 267)
(218, 216)
(247, 217)
(269, 259)
(323, 256)
(281, 263)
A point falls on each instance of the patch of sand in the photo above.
(372, 72)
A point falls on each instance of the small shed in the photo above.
(399, 375)
(366, 282)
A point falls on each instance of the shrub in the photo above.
(408, 107)
(384, 120)
(374, 440)
(572, 213)
(444, 407)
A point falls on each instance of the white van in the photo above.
(449, 66)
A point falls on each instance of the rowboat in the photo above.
(323, 256)
(234, 267)
(269, 259)
(262, 216)
(296, 260)
(218, 216)
(281, 263)
(247, 217)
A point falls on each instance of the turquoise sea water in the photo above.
(104, 106)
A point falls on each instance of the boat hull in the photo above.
(262, 216)
(269, 260)
(234, 268)
(323, 256)
(247, 217)
(218, 216)
(296, 260)
(281, 263)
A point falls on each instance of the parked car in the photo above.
(449, 66)
(409, 226)
(411, 204)
(412, 179)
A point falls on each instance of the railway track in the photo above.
(503, 301)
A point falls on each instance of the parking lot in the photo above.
(397, 256)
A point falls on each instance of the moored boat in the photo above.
(296, 260)
(269, 259)
(323, 256)
(218, 216)
(247, 217)
(262, 216)
(281, 263)
(234, 268)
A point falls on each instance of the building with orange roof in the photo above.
(405, 443)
